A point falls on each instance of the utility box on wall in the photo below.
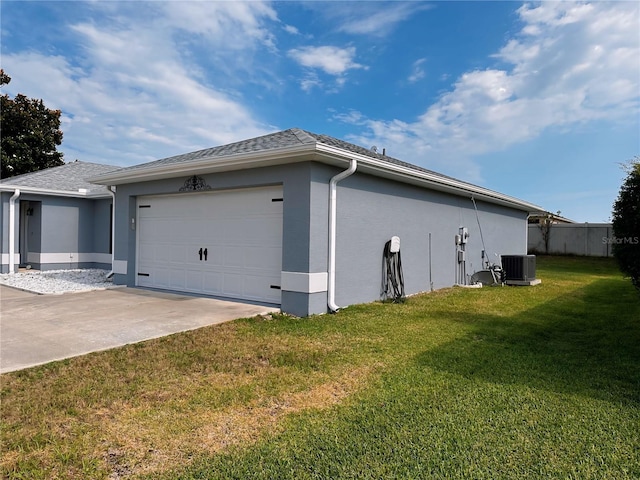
(520, 269)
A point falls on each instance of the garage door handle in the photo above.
(205, 254)
(200, 253)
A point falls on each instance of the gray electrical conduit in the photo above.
(331, 281)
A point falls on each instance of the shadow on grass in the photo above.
(586, 343)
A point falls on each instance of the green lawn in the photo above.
(514, 382)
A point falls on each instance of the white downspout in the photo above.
(331, 285)
(12, 229)
(113, 229)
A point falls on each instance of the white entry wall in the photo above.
(226, 243)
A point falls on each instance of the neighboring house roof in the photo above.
(69, 180)
(294, 145)
(554, 218)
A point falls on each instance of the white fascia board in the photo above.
(317, 152)
(202, 166)
(437, 182)
(49, 191)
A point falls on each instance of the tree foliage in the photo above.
(626, 224)
(29, 134)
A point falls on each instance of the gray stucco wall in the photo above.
(102, 225)
(370, 211)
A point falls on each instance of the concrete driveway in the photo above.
(37, 329)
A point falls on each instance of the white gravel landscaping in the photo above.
(58, 281)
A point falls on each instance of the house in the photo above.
(301, 220)
(55, 218)
(548, 217)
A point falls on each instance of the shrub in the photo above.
(626, 224)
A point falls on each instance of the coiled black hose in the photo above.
(392, 278)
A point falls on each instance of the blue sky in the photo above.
(540, 101)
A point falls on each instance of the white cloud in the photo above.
(291, 29)
(135, 89)
(570, 64)
(334, 61)
(361, 18)
(310, 82)
(331, 60)
(372, 19)
(417, 71)
(231, 25)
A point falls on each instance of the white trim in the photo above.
(120, 267)
(201, 166)
(5, 258)
(318, 152)
(57, 193)
(68, 257)
(434, 180)
(12, 230)
(304, 282)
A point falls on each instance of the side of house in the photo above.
(55, 219)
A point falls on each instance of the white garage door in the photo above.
(225, 243)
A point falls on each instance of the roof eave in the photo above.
(211, 164)
(435, 182)
(318, 152)
(52, 192)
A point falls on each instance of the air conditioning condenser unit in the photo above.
(520, 269)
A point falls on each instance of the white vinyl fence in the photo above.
(586, 239)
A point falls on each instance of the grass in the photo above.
(540, 382)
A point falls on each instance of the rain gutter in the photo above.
(333, 201)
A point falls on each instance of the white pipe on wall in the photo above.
(113, 228)
(12, 229)
(331, 285)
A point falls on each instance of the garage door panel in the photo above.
(146, 254)
(194, 280)
(212, 282)
(161, 277)
(212, 232)
(163, 229)
(145, 228)
(257, 287)
(263, 257)
(178, 279)
(177, 254)
(233, 256)
(241, 231)
(232, 285)
(191, 255)
(216, 257)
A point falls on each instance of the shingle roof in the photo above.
(283, 139)
(297, 140)
(286, 138)
(69, 177)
